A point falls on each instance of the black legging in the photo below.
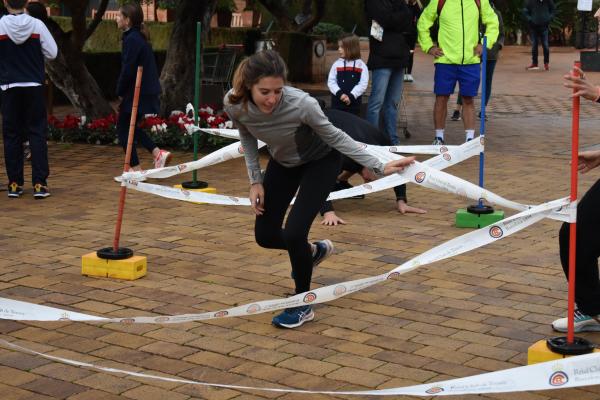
(587, 284)
(140, 136)
(313, 181)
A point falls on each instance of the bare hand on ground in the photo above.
(331, 219)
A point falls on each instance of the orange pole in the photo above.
(132, 123)
(573, 225)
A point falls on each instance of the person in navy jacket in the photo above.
(136, 52)
(24, 43)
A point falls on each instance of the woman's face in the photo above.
(266, 93)
(122, 21)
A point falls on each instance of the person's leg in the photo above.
(587, 283)
(545, 46)
(489, 75)
(534, 46)
(440, 111)
(469, 79)
(392, 98)
(123, 122)
(12, 123)
(379, 85)
(36, 126)
(444, 82)
(318, 177)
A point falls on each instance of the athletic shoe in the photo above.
(294, 317)
(438, 141)
(408, 78)
(583, 323)
(14, 190)
(324, 249)
(40, 191)
(455, 116)
(479, 116)
(532, 67)
(342, 185)
(547, 67)
(162, 159)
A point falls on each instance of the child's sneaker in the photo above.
(583, 323)
(294, 317)
(455, 116)
(14, 190)
(40, 191)
(162, 159)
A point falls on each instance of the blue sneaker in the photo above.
(583, 323)
(324, 250)
(294, 317)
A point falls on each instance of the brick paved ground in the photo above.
(471, 314)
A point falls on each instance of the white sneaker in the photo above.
(583, 323)
(162, 159)
(408, 78)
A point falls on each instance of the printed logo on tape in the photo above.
(241, 149)
(420, 177)
(339, 290)
(234, 199)
(443, 149)
(481, 140)
(221, 314)
(558, 378)
(434, 390)
(160, 320)
(64, 317)
(127, 321)
(447, 156)
(309, 297)
(393, 149)
(393, 275)
(185, 192)
(367, 186)
(253, 308)
(182, 167)
(496, 232)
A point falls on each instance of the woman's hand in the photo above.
(397, 165)
(330, 219)
(257, 198)
(581, 86)
(588, 160)
(345, 99)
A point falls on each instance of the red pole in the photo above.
(132, 123)
(573, 225)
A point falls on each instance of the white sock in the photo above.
(470, 134)
(439, 133)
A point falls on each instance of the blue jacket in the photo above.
(138, 52)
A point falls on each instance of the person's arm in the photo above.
(527, 12)
(551, 9)
(490, 20)
(129, 63)
(362, 85)
(49, 47)
(386, 17)
(424, 24)
(334, 88)
(582, 87)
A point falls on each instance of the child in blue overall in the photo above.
(137, 52)
(349, 77)
(24, 43)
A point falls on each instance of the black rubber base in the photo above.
(579, 346)
(108, 253)
(480, 209)
(194, 185)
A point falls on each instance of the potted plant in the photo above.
(165, 10)
(224, 10)
(53, 8)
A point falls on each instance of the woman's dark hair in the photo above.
(266, 63)
(134, 12)
(37, 10)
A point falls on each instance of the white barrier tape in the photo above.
(187, 195)
(558, 374)
(573, 212)
(18, 310)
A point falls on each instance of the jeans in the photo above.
(541, 33)
(386, 91)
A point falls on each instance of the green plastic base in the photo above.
(465, 219)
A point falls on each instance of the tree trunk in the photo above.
(177, 77)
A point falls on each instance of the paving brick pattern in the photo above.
(475, 313)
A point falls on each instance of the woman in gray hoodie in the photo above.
(305, 158)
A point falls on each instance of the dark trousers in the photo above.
(24, 111)
(539, 35)
(140, 136)
(313, 181)
(587, 284)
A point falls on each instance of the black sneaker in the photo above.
(455, 116)
(14, 190)
(40, 191)
(342, 185)
(438, 141)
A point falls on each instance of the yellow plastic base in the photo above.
(539, 352)
(129, 269)
(205, 190)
